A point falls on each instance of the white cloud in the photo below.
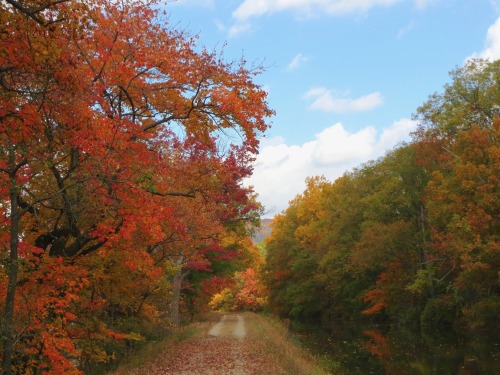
(328, 100)
(255, 8)
(492, 45)
(220, 26)
(273, 141)
(281, 169)
(335, 146)
(306, 8)
(251, 8)
(297, 61)
(398, 132)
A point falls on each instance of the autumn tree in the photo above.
(239, 286)
(457, 143)
(392, 243)
(111, 122)
(293, 255)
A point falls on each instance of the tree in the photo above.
(458, 145)
(239, 285)
(471, 98)
(391, 246)
(110, 123)
(293, 253)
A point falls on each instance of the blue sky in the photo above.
(344, 76)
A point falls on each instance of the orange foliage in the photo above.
(378, 298)
(111, 170)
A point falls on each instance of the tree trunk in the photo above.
(8, 320)
(176, 295)
(176, 290)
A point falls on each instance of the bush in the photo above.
(438, 311)
(483, 314)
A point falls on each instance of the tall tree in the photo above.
(458, 144)
(110, 121)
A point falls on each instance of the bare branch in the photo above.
(174, 194)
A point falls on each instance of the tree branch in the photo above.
(33, 13)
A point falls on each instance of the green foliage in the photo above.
(292, 258)
(262, 249)
(484, 314)
(410, 237)
(423, 281)
(471, 98)
(438, 312)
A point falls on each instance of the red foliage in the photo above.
(113, 169)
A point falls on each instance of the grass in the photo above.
(276, 340)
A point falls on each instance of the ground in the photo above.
(222, 346)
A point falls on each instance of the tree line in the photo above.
(123, 147)
(411, 237)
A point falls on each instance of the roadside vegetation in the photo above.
(277, 340)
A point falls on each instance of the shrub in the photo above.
(438, 311)
(484, 313)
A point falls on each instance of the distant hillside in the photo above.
(263, 231)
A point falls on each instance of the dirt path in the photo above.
(224, 349)
(232, 327)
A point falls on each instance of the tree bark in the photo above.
(176, 290)
(176, 295)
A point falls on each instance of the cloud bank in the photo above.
(281, 169)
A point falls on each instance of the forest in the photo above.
(123, 147)
(410, 238)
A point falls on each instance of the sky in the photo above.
(344, 76)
